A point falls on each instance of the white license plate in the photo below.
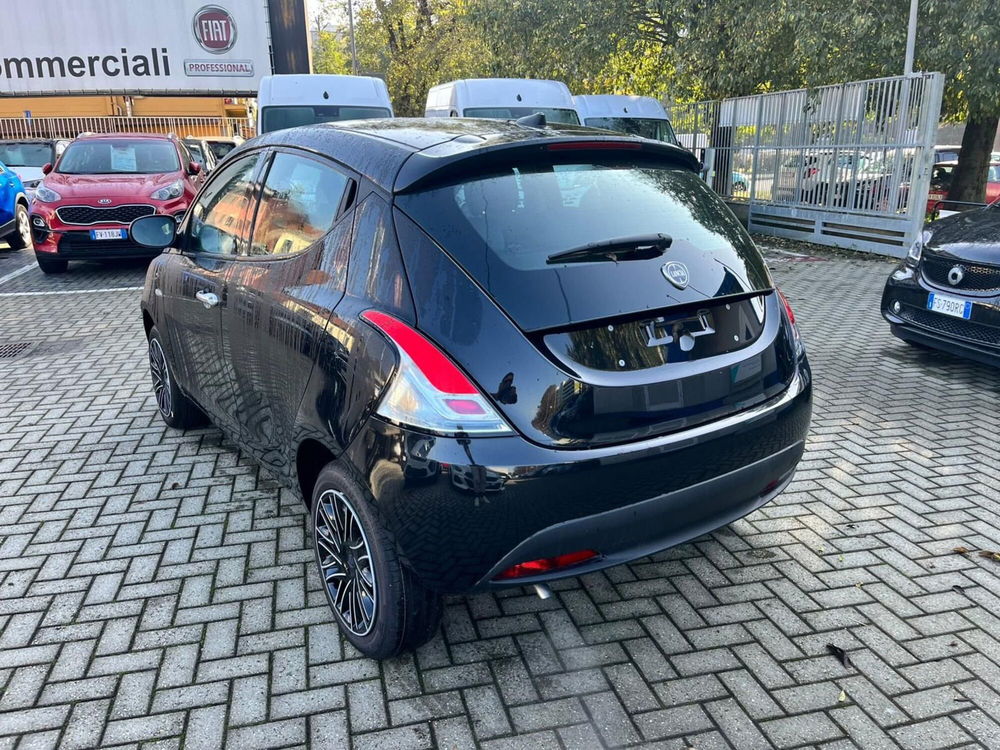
(957, 308)
(108, 234)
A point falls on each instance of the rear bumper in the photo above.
(977, 338)
(462, 511)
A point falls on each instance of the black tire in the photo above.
(51, 266)
(396, 612)
(175, 408)
(20, 238)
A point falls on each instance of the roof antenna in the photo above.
(536, 120)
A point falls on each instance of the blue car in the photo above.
(15, 229)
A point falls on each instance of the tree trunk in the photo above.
(969, 180)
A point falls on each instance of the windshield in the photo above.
(26, 154)
(119, 156)
(279, 118)
(196, 154)
(512, 113)
(646, 127)
(221, 148)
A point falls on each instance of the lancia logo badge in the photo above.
(676, 273)
(955, 275)
(104, 201)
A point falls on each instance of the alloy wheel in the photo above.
(24, 228)
(161, 378)
(345, 562)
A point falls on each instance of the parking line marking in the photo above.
(71, 291)
(18, 272)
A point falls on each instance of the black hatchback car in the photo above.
(486, 354)
(946, 292)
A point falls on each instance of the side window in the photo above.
(298, 205)
(219, 217)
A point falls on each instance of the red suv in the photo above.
(83, 207)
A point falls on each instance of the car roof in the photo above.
(397, 154)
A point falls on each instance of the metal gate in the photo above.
(71, 127)
(845, 165)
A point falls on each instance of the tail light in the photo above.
(428, 390)
(788, 307)
(546, 565)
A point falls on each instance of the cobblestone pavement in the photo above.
(157, 590)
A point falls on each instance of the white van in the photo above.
(636, 115)
(502, 99)
(287, 101)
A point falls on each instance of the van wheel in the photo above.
(380, 606)
(175, 408)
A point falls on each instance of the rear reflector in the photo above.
(594, 145)
(546, 565)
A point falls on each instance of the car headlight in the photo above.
(917, 248)
(173, 190)
(46, 194)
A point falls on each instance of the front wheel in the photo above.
(21, 237)
(175, 408)
(378, 603)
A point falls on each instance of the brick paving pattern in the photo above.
(158, 591)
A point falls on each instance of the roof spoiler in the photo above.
(445, 161)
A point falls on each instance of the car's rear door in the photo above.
(195, 286)
(282, 288)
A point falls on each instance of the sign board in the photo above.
(135, 47)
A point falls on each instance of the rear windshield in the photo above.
(279, 118)
(512, 113)
(646, 127)
(26, 154)
(119, 156)
(522, 215)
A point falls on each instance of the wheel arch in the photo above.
(310, 458)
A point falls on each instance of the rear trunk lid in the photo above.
(613, 347)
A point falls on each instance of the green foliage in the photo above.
(330, 54)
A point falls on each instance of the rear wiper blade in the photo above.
(639, 247)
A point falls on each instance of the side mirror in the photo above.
(46, 169)
(156, 231)
(194, 168)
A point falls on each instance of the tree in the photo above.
(330, 54)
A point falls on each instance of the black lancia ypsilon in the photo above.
(946, 292)
(487, 354)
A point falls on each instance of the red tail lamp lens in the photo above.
(546, 564)
(788, 307)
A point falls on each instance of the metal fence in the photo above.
(846, 165)
(70, 127)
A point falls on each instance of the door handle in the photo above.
(207, 299)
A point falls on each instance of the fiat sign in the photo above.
(215, 29)
(130, 47)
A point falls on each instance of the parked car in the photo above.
(222, 145)
(502, 98)
(941, 176)
(854, 180)
(14, 227)
(636, 115)
(26, 157)
(202, 153)
(574, 383)
(84, 205)
(946, 293)
(288, 101)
